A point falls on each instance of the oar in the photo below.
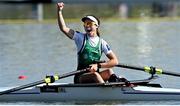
(152, 70)
(48, 79)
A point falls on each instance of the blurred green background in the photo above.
(74, 9)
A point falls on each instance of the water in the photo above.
(36, 50)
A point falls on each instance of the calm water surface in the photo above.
(37, 50)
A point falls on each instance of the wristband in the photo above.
(99, 65)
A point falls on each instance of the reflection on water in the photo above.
(143, 40)
(29, 49)
(37, 50)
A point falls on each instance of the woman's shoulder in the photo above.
(78, 34)
(105, 46)
(103, 41)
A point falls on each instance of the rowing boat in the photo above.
(136, 90)
(141, 90)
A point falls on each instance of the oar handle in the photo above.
(73, 73)
(130, 67)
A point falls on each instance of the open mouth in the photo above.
(88, 29)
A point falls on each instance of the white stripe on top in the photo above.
(79, 37)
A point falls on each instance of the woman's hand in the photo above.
(93, 67)
(60, 5)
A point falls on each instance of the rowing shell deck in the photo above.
(90, 92)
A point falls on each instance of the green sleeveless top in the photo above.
(89, 54)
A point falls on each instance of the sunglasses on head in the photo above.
(89, 23)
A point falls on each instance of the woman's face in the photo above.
(90, 26)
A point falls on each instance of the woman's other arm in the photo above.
(62, 25)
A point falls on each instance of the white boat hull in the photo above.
(71, 92)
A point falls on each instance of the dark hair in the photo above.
(98, 32)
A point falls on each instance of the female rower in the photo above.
(90, 47)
